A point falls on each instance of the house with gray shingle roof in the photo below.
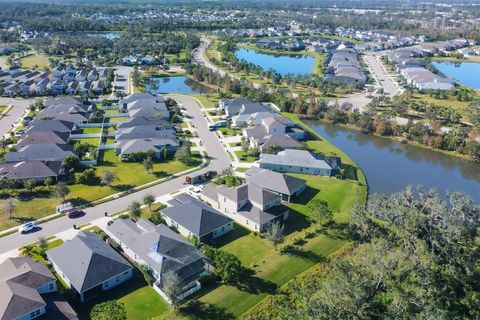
(248, 204)
(37, 170)
(192, 217)
(40, 152)
(287, 186)
(44, 137)
(51, 125)
(24, 287)
(296, 161)
(88, 265)
(163, 251)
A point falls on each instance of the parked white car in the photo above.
(27, 227)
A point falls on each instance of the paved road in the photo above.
(19, 106)
(380, 74)
(219, 161)
(122, 80)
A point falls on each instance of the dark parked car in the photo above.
(75, 214)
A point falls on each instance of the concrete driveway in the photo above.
(219, 161)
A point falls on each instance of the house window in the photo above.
(126, 272)
(51, 286)
(105, 284)
(223, 228)
(224, 199)
(117, 279)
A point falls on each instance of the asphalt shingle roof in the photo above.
(87, 261)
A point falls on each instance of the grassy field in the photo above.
(247, 158)
(454, 59)
(32, 61)
(460, 106)
(30, 207)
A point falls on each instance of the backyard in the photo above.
(35, 61)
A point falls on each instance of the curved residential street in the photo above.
(219, 161)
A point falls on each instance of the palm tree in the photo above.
(108, 177)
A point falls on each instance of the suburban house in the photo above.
(36, 170)
(299, 161)
(41, 137)
(237, 106)
(274, 131)
(52, 125)
(287, 186)
(40, 152)
(28, 291)
(163, 251)
(94, 267)
(192, 217)
(249, 205)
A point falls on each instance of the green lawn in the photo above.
(460, 106)
(2, 108)
(228, 132)
(130, 175)
(115, 120)
(91, 130)
(247, 158)
(32, 61)
(116, 111)
(141, 301)
(93, 141)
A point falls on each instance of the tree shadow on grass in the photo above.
(160, 174)
(350, 171)
(334, 230)
(200, 310)
(250, 283)
(27, 195)
(309, 255)
(307, 195)
(296, 222)
(122, 187)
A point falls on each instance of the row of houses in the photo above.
(42, 149)
(445, 47)
(411, 66)
(142, 60)
(344, 66)
(148, 128)
(69, 80)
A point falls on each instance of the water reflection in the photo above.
(180, 84)
(391, 166)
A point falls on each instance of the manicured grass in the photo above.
(241, 169)
(140, 300)
(247, 158)
(129, 174)
(32, 61)
(2, 107)
(228, 132)
(93, 141)
(91, 130)
(112, 111)
(115, 120)
(110, 141)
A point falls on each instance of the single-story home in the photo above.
(88, 265)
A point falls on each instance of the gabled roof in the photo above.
(87, 261)
(52, 125)
(40, 152)
(283, 141)
(20, 278)
(274, 181)
(140, 96)
(31, 169)
(160, 247)
(141, 121)
(195, 216)
(248, 191)
(145, 145)
(142, 132)
(43, 137)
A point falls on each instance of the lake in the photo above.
(179, 84)
(390, 166)
(281, 63)
(464, 72)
